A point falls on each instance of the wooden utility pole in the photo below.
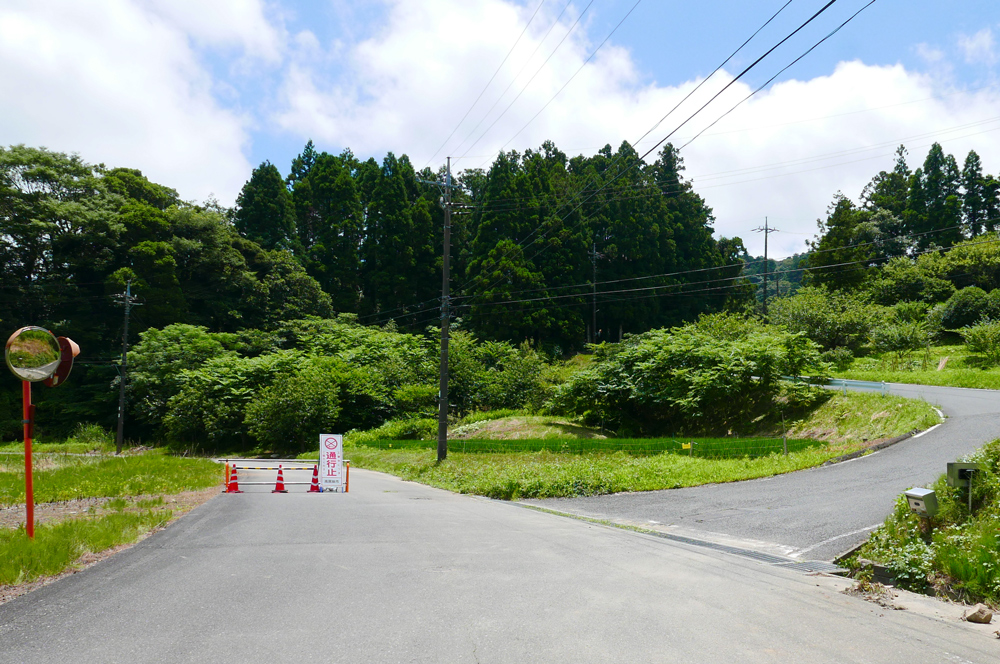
(445, 319)
(128, 302)
(766, 230)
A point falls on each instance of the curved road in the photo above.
(814, 514)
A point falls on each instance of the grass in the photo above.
(553, 474)
(700, 447)
(859, 417)
(57, 547)
(960, 370)
(513, 468)
(82, 467)
(66, 477)
(959, 555)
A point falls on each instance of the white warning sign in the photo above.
(331, 462)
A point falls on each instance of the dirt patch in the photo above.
(13, 517)
(525, 427)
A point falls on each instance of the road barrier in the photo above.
(231, 485)
(842, 384)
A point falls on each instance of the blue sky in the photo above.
(196, 94)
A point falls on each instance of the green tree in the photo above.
(400, 269)
(329, 220)
(289, 415)
(974, 203)
(832, 319)
(264, 211)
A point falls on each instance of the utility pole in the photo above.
(593, 301)
(128, 301)
(766, 230)
(445, 202)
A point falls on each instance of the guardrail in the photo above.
(843, 384)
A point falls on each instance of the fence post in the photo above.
(784, 433)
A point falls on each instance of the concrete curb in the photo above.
(873, 448)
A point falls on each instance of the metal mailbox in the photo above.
(922, 501)
(959, 473)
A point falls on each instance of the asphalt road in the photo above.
(816, 514)
(399, 572)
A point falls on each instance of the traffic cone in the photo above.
(279, 484)
(234, 485)
(314, 487)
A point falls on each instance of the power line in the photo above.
(579, 69)
(641, 159)
(504, 112)
(488, 83)
(518, 74)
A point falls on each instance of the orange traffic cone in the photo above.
(279, 484)
(314, 487)
(234, 485)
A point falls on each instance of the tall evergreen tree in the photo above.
(889, 190)
(264, 211)
(399, 272)
(974, 195)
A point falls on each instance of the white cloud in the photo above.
(406, 87)
(978, 48)
(930, 54)
(227, 23)
(119, 85)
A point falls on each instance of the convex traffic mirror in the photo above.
(33, 354)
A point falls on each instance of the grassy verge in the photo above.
(714, 448)
(65, 477)
(960, 555)
(552, 474)
(958, 370)
(542, 468)
(57, 547)
(860, 417)
(84, 469)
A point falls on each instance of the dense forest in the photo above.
(341, 236)
(334, 268)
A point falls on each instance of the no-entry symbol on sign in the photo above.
(331, 461)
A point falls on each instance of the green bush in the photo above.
(686, 381)
(292, 412)
(832, 319)
(964, 308)
(840, 358)
(983, 341)
(899, 340)
(416, 428)
(493, 375)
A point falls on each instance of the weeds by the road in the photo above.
(56, 547)
(542, 468)
(960, 554)
(946, 366)
(860, 416)
(551, 474)
(65, 477)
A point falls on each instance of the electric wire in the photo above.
(516, 76)
(641, 159)
(504, 112)
(488, 83)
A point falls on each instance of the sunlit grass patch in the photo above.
(88, 477)
(552, 474)
(56, 547)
